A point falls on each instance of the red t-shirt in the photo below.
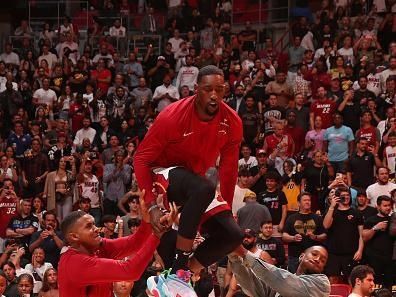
(104, 74)
(298, 136)
(82, 275)
(370, 133)
(8, 211)
(272, 142)
(179, 138)
(325, 109)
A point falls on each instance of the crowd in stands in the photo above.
(317, 162)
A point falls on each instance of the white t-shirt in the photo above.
(40, 271)
(237, 202)
(50, 58)
(374, 83)
(376, 190)
(251, 162)
(347, 54)
(390, 155)
(161, 90)
(47, 97)
(175, 43)
(117, 32)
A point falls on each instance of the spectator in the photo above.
(9, 57)
(281, 88)
(59, 188)
(296, 132)
(241, 188)
(379, 244)
(301, 111)
(37, 268)
(279, 143)
(272, 245)
(141, 96)
(295, 53)
(116, 176)
(250, 215)
(338, 143)
(344, 234)
(49, 239)
(24, 225)
(314, 139)
(276, 202)
(382, 187)
(362, 281)
(9, 209)
(165, 94)
(18, 140)
(303, 230)
(361, 165)
(118, 32)
(12, 285)
(34, 169)
(85, 132)
(350, 110)
(247, 161)
(132, 200)
(133, 70)
(101, 76)
(250, 243)
(363, 207)
(50, 284)
(25, 285)
(187, 75)
(322, 107)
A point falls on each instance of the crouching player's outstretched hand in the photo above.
(166, 220)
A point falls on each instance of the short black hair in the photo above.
(108, 218)
(48, 213)
(383, 198)
(265, 223)
(360, 272)
(272, 175)
(132, 198)
(70, 221)
(209, 70)
(25, 276)
(134, 222)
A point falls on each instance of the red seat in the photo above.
(340, 289)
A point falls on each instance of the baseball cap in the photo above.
(249, 194)
(261, 152)
(161, 58)
(250, 233)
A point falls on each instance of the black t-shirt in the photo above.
(250, 122)
(362, 169)
(274, 247)
(52, 252)
(343, 235)
(274, 202)
(276, 112)
(381, 244)
(303, 224)
(79, 87)
(260, 185)
(60, 82)
(359, 95)
(369, 211)
(317, 178)
(351, 114)
(22, 223)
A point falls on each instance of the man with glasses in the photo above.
(344, 234)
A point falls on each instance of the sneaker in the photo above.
(171, 285)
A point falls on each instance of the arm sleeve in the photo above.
(93, 270)
(148, 151)
(228, 169)
(288, 284)
(250, 283)
(125, 246)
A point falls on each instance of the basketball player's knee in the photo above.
(206, 191)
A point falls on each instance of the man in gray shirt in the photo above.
(260, 279)
(253, 214)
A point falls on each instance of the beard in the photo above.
(248, 245)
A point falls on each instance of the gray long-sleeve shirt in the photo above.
(260, 279)
(116, 181)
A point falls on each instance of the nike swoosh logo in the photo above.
(187, 133)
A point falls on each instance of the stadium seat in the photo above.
(340, 289)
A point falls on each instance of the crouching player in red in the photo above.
(185, 141)
(91, 264)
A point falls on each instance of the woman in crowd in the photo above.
(59, 187)
(7, 171)
(42, 119)
(314, 139)
(50, 284)
(38, 210)
(291, 181)
(25, 285)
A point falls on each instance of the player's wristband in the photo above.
(153, 207)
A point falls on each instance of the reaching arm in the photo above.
(228, 169)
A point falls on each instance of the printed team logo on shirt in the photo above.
(350, 217)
